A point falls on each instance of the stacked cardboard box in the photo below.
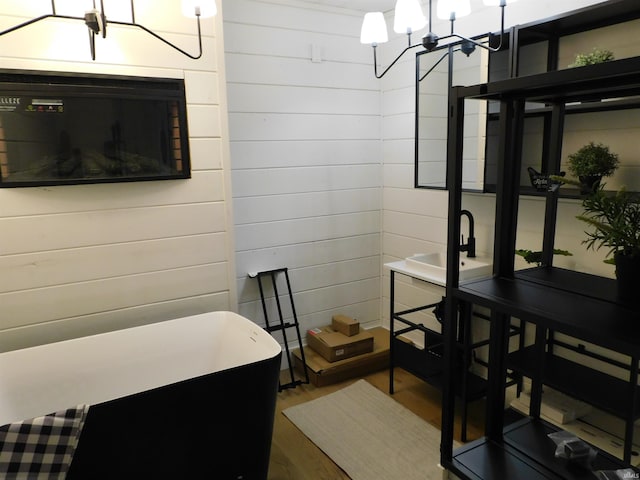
(342, 350)
(345, 325)
(333, 344)
(556, 406)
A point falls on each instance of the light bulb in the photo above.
(207, 8)
(455, 8)
(497, 3)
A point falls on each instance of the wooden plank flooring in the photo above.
(295, 457)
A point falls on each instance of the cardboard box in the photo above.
(321, 372)
(335, 346)
(345, 325)
(560, 408)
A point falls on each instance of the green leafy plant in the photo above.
(536, 257)
(593, 57)
(593, 160)
(615, 220)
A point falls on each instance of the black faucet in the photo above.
(470, 246)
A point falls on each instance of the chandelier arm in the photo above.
(133, 13)
(104, 20)
(127, 24)
(164, 40)
(502, 7)
(445, 55)
(36, 20)
(375, 62)
(477, 43)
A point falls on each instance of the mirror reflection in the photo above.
(436, 71)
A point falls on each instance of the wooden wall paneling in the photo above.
(72, 230)
(281, 153)
(202, 187)
(309, 126)
(255, 236)
(303, 205)
(300, 99)
(304, 254)
(48, 268)
(259, 69)
(99, 322)
(432, 229)
(300, 16)
(63, 301)
(206, 154)
(281, 181)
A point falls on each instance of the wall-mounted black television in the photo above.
(61, 129)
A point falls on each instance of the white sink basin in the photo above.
(435, 265)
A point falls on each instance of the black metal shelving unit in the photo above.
(546, 36)
(581, 306)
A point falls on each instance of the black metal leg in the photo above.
(465, 338)
(629, 423)
(536, 380)
(282, 326)
(391, 330)
(449, 327)
(498, 346)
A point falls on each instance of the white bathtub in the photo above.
(191, 382)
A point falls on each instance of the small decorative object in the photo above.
(542, 182)
(595, 56)
(536, 257)
(616, 223)
(591, 163)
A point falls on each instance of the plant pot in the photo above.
(628, 275)
(589, 183)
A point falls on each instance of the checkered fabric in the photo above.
(41, 448)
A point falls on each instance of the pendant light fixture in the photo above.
(409, 18)
(96, 21)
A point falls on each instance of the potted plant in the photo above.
(616, 225)
(536, 257)
(595, 56)
(590, 163)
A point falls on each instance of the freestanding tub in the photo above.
(191, 398)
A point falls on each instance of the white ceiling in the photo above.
(361, 5)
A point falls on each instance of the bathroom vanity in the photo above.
(423, 358)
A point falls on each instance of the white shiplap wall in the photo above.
(305, 129)
(322, 155)
(78, 260)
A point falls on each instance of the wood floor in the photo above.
(294, 457)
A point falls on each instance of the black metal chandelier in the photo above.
(410, 18)
(97, 21)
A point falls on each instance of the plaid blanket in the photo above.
(41, 448)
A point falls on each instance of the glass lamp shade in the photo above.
(497, 3)
(408, 17)
(457, 8)
(207, 8)
(374, 28)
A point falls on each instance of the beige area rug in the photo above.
(370, 435)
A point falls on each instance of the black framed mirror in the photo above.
(436, 71)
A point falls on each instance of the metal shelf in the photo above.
(526, 452)
(581, 306)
